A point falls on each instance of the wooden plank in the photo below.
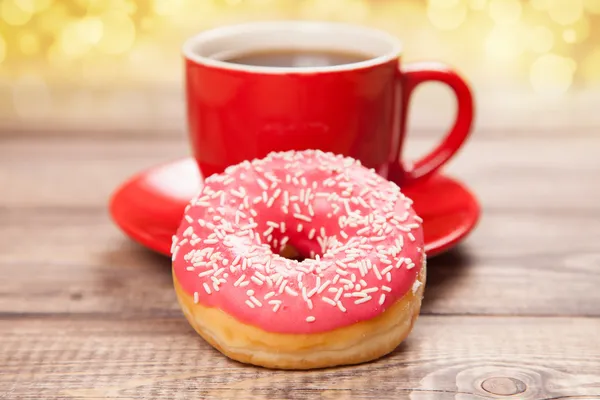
(514, 263)
(530, 175)
(536, 247)
(444, 358)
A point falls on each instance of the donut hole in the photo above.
(297, 246)
(288, 238)
(290, 252)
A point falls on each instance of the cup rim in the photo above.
(295, 25)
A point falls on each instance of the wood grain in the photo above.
(536, 247)
(444, 358)
(526, 174)
(529, 264)
(87, 314)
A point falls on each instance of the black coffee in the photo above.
(297, 58)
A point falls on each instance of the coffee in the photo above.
(297, 58)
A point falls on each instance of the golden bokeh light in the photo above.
(477, 4)
(446, 15)
(50, 22)
(94, 7)
(2, 48)
(569, 35)
(355, 11)
(128, 6)
(29, 43)
(323, 9)
(551, 74)
(91, 29)
(118, 33)
(590, 67)
(565, 12)
(443, 3)
(147, 23)
(541, 39)
(120, 6)
(79, 36)
(592, 6)
(14, 13)
(505, 11)
(25, 5)
(167, 7)
(57, 57)
(540, 4)
(105, 40)
(41, 5)
(72, 44)
(260, 2)
(504, 43)
(579, 31)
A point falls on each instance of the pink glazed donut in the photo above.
(353, 297)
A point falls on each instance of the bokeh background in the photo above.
(65, 64)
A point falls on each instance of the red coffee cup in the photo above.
(239, 112)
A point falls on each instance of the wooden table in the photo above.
(87, 314)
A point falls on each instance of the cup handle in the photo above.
(411, 76)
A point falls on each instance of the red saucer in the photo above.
(149, 206)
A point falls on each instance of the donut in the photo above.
(300, 260)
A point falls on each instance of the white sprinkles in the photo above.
(346, 212)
